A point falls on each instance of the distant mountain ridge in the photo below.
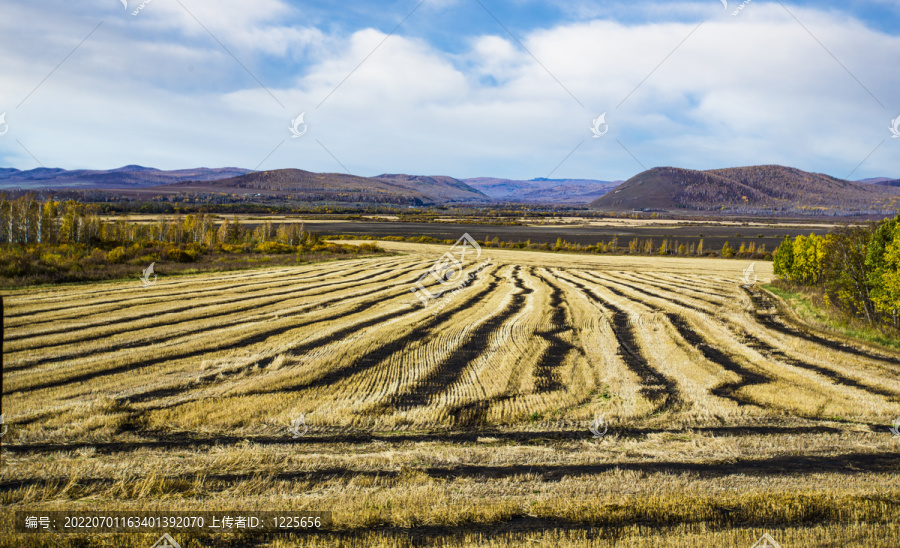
(752, 189)
(340, 187)
(886, 181)
(542, 190)
(130, 176)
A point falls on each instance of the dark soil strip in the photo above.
(772, 352)
(473, 413)
(184, 441)
(445, 374)
(667, 288)
(698, 287)
(81, 353)
(712, 354)
(253, 339)
(158, 317)
(295, 351)
(375, 357)
(656, 387)
(557, 349)
(679, 302)
(715, 355)
(771, 321)
(117, 302)
(776, 466)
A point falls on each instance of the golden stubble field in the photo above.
(462, 424)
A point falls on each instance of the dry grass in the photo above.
(466, 427)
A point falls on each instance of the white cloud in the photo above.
(751, 89)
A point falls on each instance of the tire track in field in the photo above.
(445, 374)
(770, 320)
(212, 313)
(655, 386)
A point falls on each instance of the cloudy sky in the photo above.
(502, 88)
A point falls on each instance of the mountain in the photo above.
(298, 184)
(747, 190)
(879, 181)
(752, 189)
(542, 190)
(441, 188)
(130, 176)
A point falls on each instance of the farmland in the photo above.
(466, 424)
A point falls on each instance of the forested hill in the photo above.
(307, 185)
(754, 189)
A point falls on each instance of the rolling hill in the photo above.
(753, 189)
(308, 186)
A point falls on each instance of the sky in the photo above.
(517, 89)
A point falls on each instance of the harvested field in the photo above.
(464, 424)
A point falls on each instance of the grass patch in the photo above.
(811, 308)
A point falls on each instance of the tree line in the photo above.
(858, 268)
(52, 241)
(27, 220)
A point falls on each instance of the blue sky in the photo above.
(461, 87)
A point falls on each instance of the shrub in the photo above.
(116, 256)
(176, 254)
(274, 247)
(98, 256)
(369, 248)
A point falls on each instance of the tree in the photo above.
(883, 263)
(844, 270)
(887, 298)
(727, 251)
(809, 257)
(784, 259)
